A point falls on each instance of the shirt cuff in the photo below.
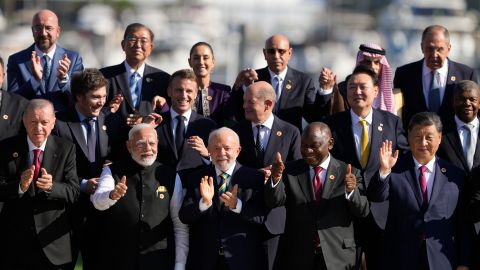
(238, 209)
(274, 185)
(20, 192)
(384, 176)
(349, 195)
(83, 185)
(64, 80)
(202, 206)
(325, 92)
(179, 266)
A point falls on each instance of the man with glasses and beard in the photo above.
(138, 227)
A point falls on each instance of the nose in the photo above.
(424, 141)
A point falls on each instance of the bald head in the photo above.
(45, 29)
(277, 53)
(316, 143)
(318, 130)
(258, 102)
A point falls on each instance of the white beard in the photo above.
(145, 161)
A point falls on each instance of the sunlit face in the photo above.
(424, 142)
(92, 102)
(256, 109)
(137, 46)
(183, 93)
(202, 61)
(2, 75)
(143, 146)
(45, 30)
(315, 147)
(435, 49)
(466, 105)
(361, 92)
(39, 124)
(373, 62)
(277, 53)
(224, 150)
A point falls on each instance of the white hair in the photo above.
(137, 128)
(222, 130)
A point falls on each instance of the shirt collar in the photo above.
(31, 146)
(443, 70)
(325, 163)
(229, 171)
(268, 123)
(187, 114)
(355, 118)
(131, 70)
(282, 74)
(81, 116)
(430, 165)
(50, 54)
(460, 123)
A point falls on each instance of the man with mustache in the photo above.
(140, 199)
(427, 85)
(44, 69)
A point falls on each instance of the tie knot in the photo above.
(363, 122)
(224, 176)
(278, 78)
(180, 118)
(89, 120)
(423, 169)
(46, 57)
(259, 127)
(317, 170)
(468, 127)
(36, 153)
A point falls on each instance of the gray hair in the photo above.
(37, 104)
(425, 119)
(222, 130)
(137, 128)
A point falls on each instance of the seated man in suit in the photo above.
(139, 227)
(426, 226)
(295, 91)
(224, 208)
(88, 128)
(11, 110)
(262, 135)
(322, 196)
(44, 69)
(358, 133)
(427, 85)
(38, 182)
(182, 132)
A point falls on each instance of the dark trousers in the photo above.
(371, 243)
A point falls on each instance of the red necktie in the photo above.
(423, 184)
(317, 184)
(36, 162)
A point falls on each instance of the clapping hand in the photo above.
(277, 168)
(230, 198)
(207, 190)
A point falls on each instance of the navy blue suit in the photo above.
(22, 82)
(409, 79)
(441, 225)
(216, 227)
(11, 112)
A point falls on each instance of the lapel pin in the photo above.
(148, 80)
(104, 127)
(161, 196)
(209, 98)
(380, 128)
(5, 116)
(444, 170)
(288, 85)
(332, 177)
(15, 154)
(453, 78)
(279, 133)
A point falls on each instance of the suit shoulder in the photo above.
(409, 66)
(156, 71)
(21, 55)
(461, 67)
(111, 71)
(61, 142)
(289, 128)
(388, 116)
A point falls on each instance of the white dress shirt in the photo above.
(264, 131)
(174, 122)
(274, 82)
(427, 79)
(464, 135)
(101, 200)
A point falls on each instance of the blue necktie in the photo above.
(434, 93)
(47, 69)
(134, 89)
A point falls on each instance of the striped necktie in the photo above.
(222, 188)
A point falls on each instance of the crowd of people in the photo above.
(130, 167)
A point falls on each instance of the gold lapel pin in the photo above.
(288, 85)
(453, 78)
(279, 133)
(104, 127)
(332, 177)
(15, 154)
(5, 116)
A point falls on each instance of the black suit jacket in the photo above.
(154, 83)
(299, 99)
(188, 158)
(409, 79)
(385, 126)
(332, 218)
(43, 214)
(238, 234)
(11, 113)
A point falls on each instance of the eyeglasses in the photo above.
(39, 28)
(134, 40)
(273, 51)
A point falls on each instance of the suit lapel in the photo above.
(102, 135)
(346, 135)
(439, 181)
(305, 182)
(50, 156)
(274, 142)
(123, 83)
(3, 111)
(418, 84)
(77, 131)
(411, 177)
(147, 88)
(167, 132)
(377, 135)
(454, 140)
(59, 53)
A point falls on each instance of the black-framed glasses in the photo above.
(134, 40)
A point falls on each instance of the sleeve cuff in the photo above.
(349, 195)
(325, 92)
(202, 206)
(239, 207)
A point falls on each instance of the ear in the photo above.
(268, 103)
(330, 144)
(190, 62)
(265, 54)
(122, 43)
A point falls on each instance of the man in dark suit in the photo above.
(11, 110)
(224, 209)
(139, 199)
(427, 85)
(44, 69)
(349, 133)
(38, 181)
(182, 132)
(426, 227)
(322, 196)
(295, 90)
(86, 126)
(261, 136)
(134, 83)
